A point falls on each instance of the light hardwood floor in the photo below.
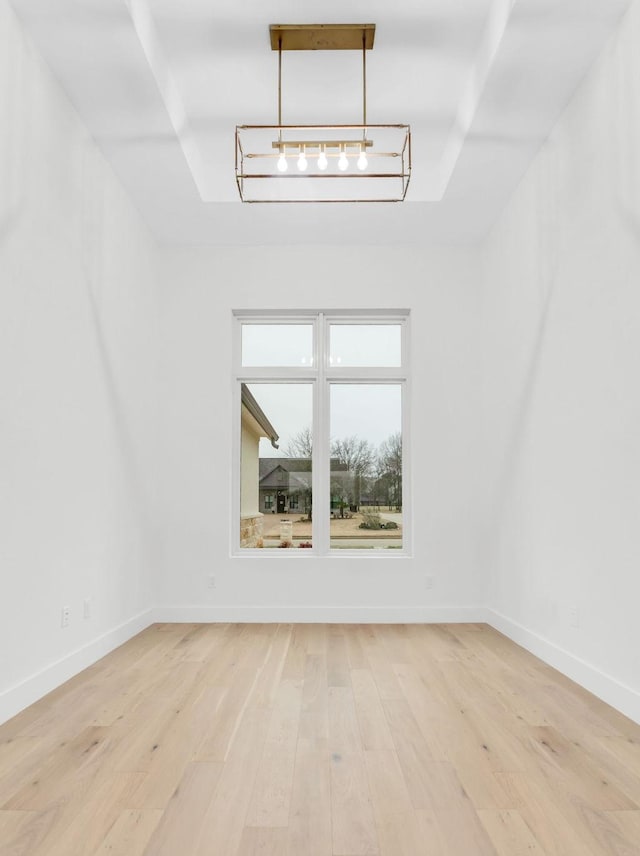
(319, 740)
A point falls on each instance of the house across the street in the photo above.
(285, 485)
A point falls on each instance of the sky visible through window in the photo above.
(277, 345)
(370, 412)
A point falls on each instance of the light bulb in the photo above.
(302, 161)
(343, 163)
(363, 163)
(282, 163)
(322, 160)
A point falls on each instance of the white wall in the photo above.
(561, 322)
(77, 380)
(200, 287)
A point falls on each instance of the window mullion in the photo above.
(321, 445)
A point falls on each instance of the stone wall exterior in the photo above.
(251, 530)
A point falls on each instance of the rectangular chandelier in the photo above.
(323, 163)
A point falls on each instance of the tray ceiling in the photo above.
(161, 85)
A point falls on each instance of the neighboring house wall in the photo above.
(250, 516)
(271, 498)
(250, 457)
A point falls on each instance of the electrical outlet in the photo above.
(428, 582)
(574, 616)
(212, 581)
(86, 609)
(65, 616)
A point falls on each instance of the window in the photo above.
(365, 345)
(320, 428)
(277, 344)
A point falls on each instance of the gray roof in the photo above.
(297, 469)
(290, 465)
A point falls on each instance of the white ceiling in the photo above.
(161, 85)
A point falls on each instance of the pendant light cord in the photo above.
(364, 82)
(280, 86)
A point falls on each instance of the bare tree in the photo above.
(390, 466)
(300, 445)
(358, 456)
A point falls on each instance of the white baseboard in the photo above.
(323, 614)
(16, 698)
(618, 695)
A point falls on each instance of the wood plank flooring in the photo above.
(319, 740)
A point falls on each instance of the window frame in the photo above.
(321, 375)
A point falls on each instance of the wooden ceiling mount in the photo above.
(321, 37)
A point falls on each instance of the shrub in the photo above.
(285, 544)
(371, 520)
(303, 544)
(390, 524)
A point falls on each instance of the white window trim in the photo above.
(321, 375)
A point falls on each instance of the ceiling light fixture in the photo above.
(382, 153)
